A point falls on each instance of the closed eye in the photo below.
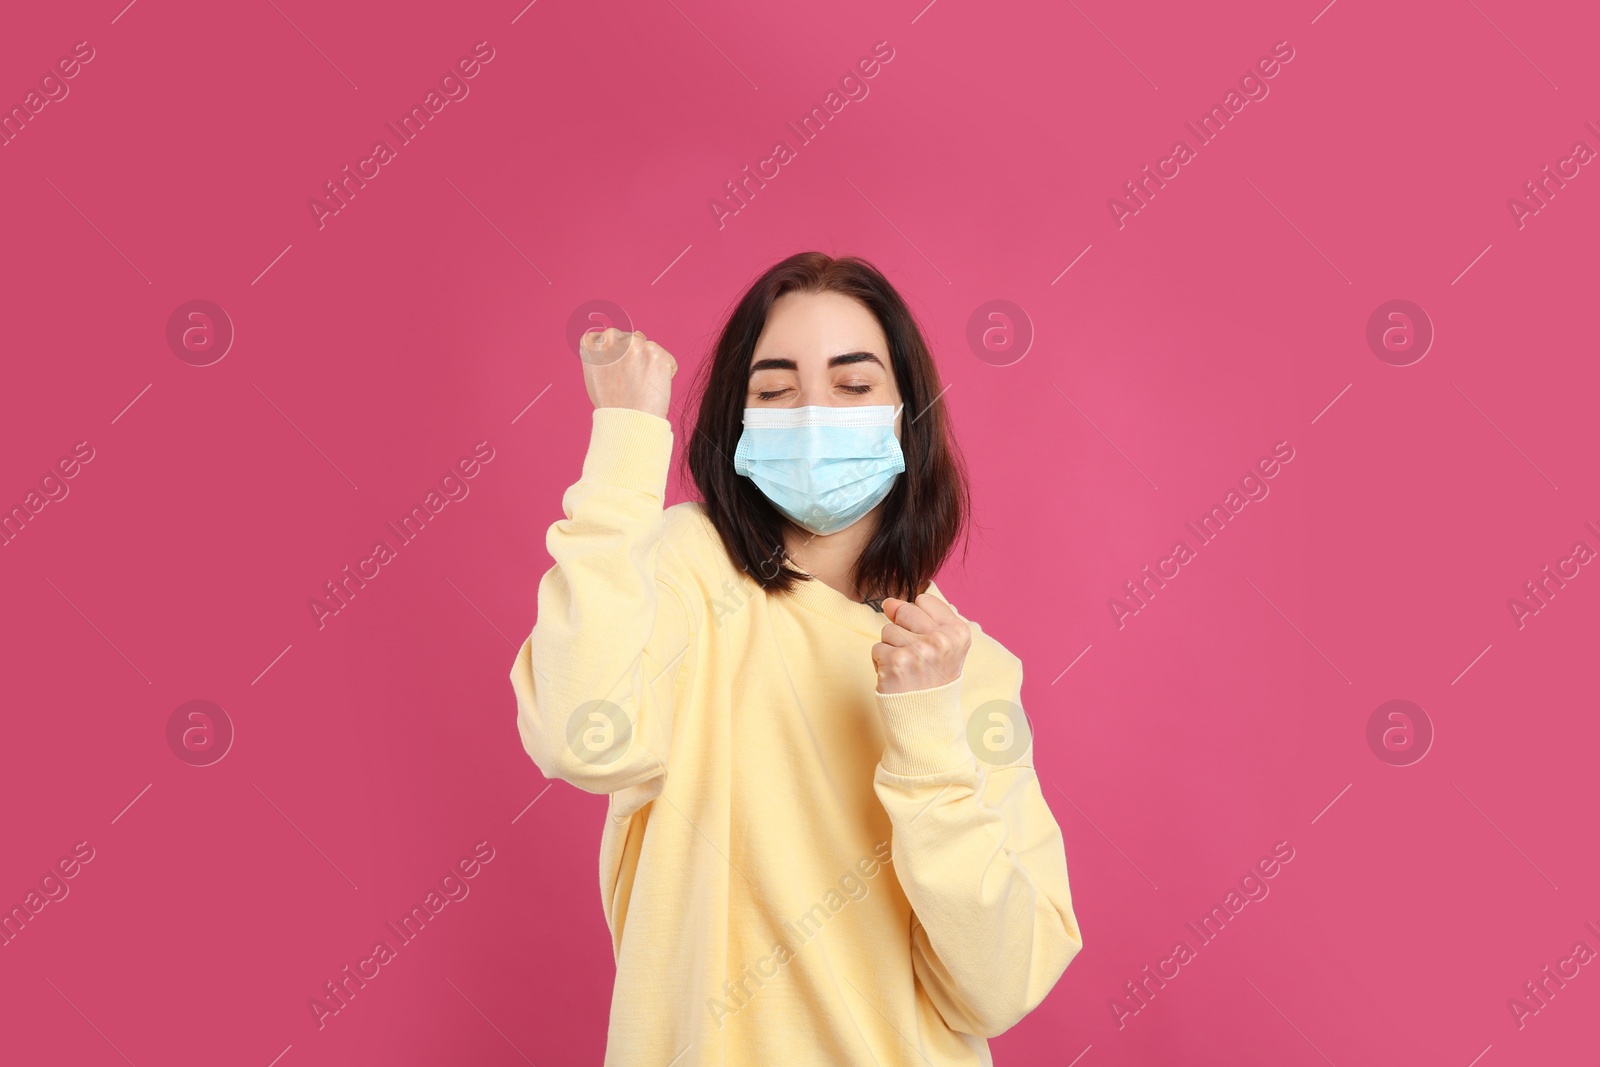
(773, 394)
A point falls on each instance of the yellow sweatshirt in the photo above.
(796, 869)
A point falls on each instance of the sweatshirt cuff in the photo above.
(924, 730)
(630, 449)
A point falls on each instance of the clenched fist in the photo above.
(924, 645)
(623, 370)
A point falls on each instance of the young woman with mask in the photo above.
(826, 843)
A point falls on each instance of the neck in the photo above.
(831, 557)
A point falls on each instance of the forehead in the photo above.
(809, 327)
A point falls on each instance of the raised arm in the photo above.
(594, 680)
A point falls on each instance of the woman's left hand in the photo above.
(924, 645)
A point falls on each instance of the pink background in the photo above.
(373, 353)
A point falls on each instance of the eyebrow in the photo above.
(836, 361)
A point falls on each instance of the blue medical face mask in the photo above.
(824, 467)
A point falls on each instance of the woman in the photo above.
(826, 841)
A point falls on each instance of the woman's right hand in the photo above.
(624, 370)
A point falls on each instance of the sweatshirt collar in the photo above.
(818, 596)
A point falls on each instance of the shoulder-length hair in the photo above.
(927, 510)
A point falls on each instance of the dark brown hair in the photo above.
(924, 514)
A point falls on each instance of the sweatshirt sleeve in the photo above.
(976, 848)
(595, 678)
